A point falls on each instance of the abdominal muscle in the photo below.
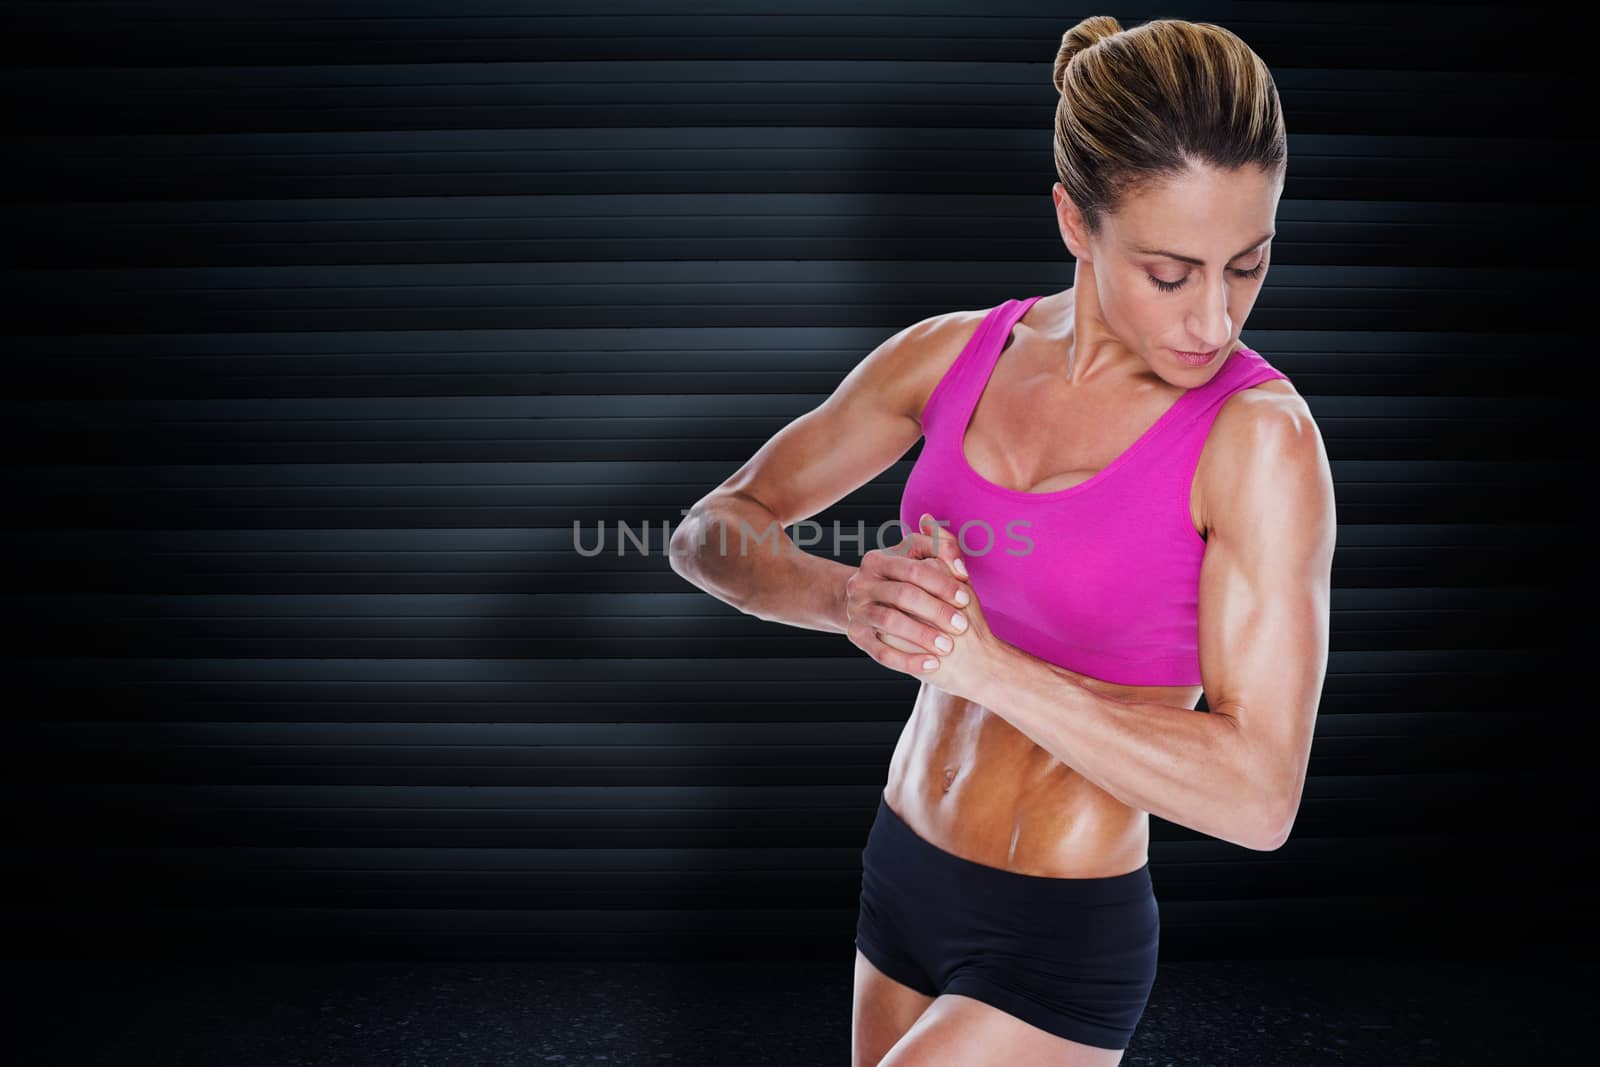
(967, 781)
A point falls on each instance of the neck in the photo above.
(1092, 349)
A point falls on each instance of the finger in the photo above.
(918, 603)
(918, 660)
(931, 540)
(865, 638)
(917, 632)
(944, 544)
(926, 575)
(940, 548)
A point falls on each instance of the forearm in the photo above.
(734, 549)
(1189, 767)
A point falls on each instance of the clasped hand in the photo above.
(914, 605)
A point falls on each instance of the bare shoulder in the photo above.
(903, 371)
(1263, 437)
(1258, 416)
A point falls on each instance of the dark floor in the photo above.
(1211, 1014)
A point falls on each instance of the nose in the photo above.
(1210, 321)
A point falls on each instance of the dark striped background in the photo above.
(328, 321)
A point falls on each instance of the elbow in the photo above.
(680, 555)
(1272, 827)
(1276, 788)
(692, 556)
(686, 544)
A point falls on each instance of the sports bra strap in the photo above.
(962, 384)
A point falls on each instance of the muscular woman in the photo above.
(1117, 507)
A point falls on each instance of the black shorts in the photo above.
(1073, 956)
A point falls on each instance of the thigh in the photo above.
(959, 1031)
(881, 1011)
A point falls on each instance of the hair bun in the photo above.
(1090, 31)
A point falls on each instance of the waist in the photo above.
(924, 865)
(971, 784)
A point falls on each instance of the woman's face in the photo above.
(1178, 267)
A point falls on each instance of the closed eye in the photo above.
(1170, 287)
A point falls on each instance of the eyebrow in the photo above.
(1200, 262)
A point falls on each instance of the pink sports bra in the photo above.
(1103, 577)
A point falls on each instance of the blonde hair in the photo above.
(1142, 105)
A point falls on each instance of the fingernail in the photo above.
(929, 664)
(962, 597)
(960, 567)
(943, 643)
(959, 621)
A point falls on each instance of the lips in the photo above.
(1197, 359)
